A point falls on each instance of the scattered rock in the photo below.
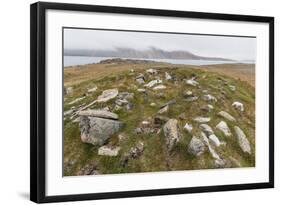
(171, 133)
(141, 90)
(211, 150)
(214, 140)
(238, 106)
(168, 76)
(152, 104)
(108, 151)
(99, 113)
(188, 127)
(168, 103)
(68, 90)
(121, 102)
(151, 71)
(133, 153)
(202, 119)
(125, 95)
(68, 112)
(107, 95)
(76, 100)
(191, 82)
(206, 129)
(188, 94)
(160, 120)
(89, 169)
(196, 147)
(140, 80)
(163, 110)
(242, 140)
(138, 130)
(153, 83)
(97, 126)
(232, 87)
(207, 108)
(159, 87)
(226, 116)
(222, 126)
(209, 97)
(93, 89)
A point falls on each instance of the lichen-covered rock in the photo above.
(226, 116)
(97, 130)
(242, 140)
(196, 147)
(222, 126)
(171, 132)
(152, 83)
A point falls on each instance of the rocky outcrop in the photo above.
(171, 132)
(242, 140)
(97, 126)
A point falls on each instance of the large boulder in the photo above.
(171, 132)
(97, 126)
(242, 140)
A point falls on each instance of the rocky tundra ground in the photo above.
(126, 116)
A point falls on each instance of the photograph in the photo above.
(147, 101)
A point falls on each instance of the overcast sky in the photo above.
(238, 48)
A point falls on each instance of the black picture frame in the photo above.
(38, 101)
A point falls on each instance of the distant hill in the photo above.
(151, 53)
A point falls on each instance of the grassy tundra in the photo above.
(214, 79)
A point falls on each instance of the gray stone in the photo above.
(232, 87)
(97, 131)
(206, 129)
(163, 110)
(196, 147)
(168, 76)
(140, 80)
(151, 71)
(107, 95)
(202, 119)
(222, 126)
(99, 113)
(159, 87)
(121, 102)
(209, 97)
(76, 100)
(171, 132)
(188, 127)
(238, 105)
(214, 140)
(153, 83)
(129, 106)
(93, 89)
(141, 90)
(108, 151)
(242, 140)
(226, 116)
(191, 82)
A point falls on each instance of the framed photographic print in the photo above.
(129, 102)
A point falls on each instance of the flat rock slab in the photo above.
(226, 116)
(99, 113)
(108, 151)
(107, 95)
(242, 140)
(97, 131)
(202, 119)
